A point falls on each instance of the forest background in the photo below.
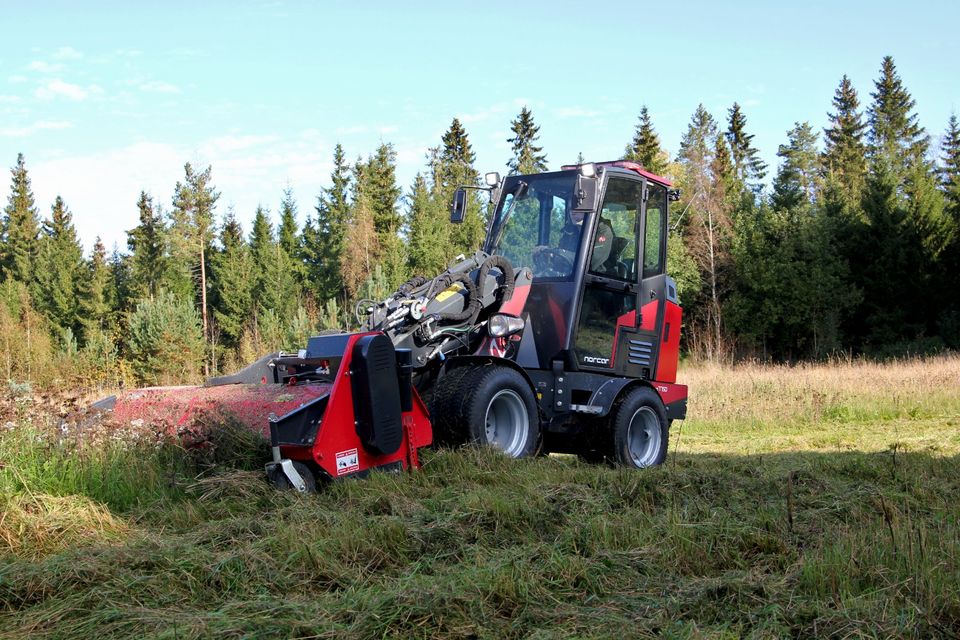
(851, 245)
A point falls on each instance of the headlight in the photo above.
(500, 325)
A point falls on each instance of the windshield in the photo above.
(536, 228)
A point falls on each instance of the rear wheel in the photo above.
(640, 430)
(496, 408)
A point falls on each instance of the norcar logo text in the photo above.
(592, 360)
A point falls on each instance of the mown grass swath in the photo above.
(778, 514)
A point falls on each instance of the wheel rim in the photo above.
(506, 422)
(643, 437)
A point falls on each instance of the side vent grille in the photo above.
(640, 352)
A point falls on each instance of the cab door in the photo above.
(607, 336)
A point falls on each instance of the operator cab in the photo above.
(595, 238)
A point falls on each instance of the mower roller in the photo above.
(560, 335)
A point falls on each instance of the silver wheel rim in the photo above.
(506, 423)
(643, 437)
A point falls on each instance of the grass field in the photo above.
(818, 501)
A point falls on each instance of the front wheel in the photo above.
(640, 430)
(497, 409)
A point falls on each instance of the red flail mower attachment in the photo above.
(342, 408)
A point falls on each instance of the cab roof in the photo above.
(629, 165)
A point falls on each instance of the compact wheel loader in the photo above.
(560, 335)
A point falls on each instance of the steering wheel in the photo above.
(552, 262)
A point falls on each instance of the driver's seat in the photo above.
(614, 266)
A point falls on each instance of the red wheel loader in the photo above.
(560, 335)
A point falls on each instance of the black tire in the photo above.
(640, 430)
(279, 480)
(495, 407)
(447, 392)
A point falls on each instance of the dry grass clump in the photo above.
(34, 526)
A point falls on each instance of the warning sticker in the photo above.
(347, 461)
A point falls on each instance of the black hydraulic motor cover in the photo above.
(376, 394)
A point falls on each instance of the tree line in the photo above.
(854, 246)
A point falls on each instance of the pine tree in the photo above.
(457, 156)
(527, 157)
(645, 147)
(797, 182)
(234, 275)
(194, 201)
(96, 296)
(58, 269)
(20, 227)
(894, 130)
(748, 167)
(147, 243)
(323, 238)
(844, 155)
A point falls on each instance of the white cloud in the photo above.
(67, 53)
(30, 129)
(56, 88)
(44, 67)
(247, 170)
(157, 86)
(16, 79)
(10, 99)
(348, 131)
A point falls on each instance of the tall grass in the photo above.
(761, 526)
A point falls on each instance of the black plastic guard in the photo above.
(376, 394)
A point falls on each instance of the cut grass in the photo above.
(775, 516)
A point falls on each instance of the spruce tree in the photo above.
(894, 130)
(323, 237)
(797, 182)
(97, 297)
(147, 243)
(950, 169)
(361, 244)
(275, 288)
(234, 275)
(645, 147)
(429, 233)
(20, 228)
(377, 180)
(844, 156)
(527, 157)
(58, 269)
(288, 230)
(748, 167)
(452, 166)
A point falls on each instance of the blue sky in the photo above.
(109, 98)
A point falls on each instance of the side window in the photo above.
(615, 243)
(655, 229)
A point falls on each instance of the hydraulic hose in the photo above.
(473, 297)
(506, 268)
(410, 285)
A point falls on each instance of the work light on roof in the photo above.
(588, 170)
(492, 179)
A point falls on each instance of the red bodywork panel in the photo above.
(338, 449)
(669, 343)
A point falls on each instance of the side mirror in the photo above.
(585, 195)
(459, 209)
